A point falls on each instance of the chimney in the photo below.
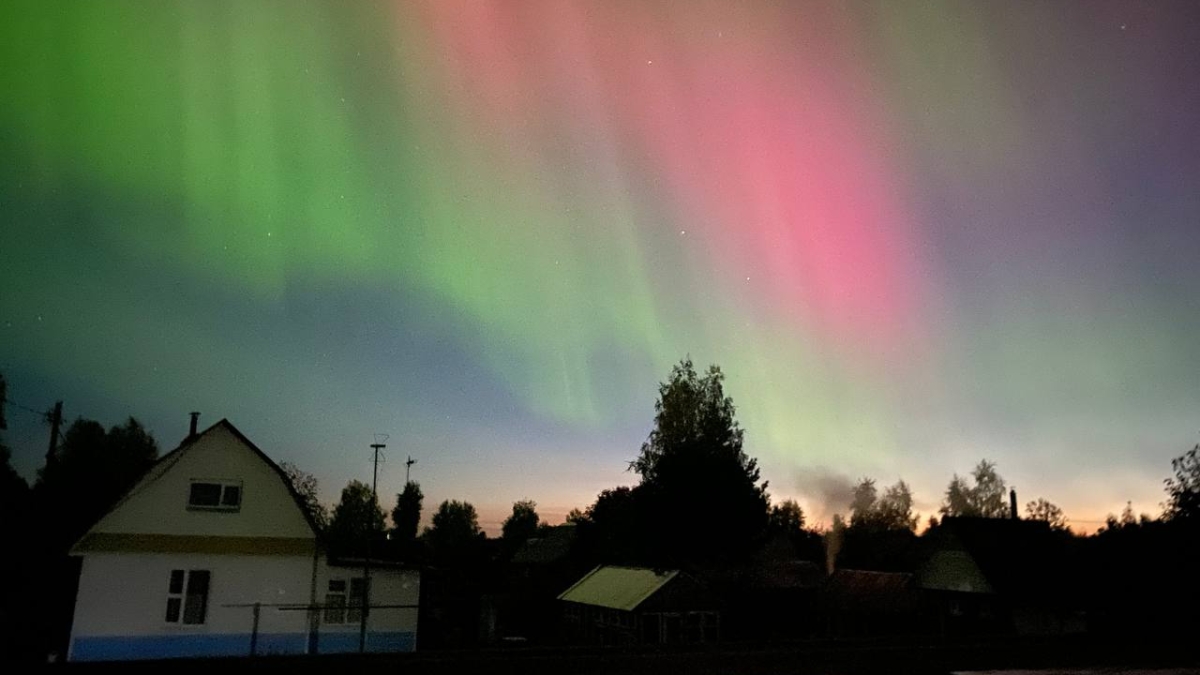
(196, 418)
(1012, 504)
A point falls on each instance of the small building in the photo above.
(1000, 575)
(864, 603)
(212, 553)
(628, 605)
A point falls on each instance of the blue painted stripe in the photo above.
(377, 641)
(134, 647)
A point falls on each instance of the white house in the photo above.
(211, 553)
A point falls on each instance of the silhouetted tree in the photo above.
(862, 503)
(892, 511)
(786, 517)
(880, 535)
(455, 525)
(305, 486)
(522, 523)
(575, 516)
(984, 499)
(610, 530)
(700, 495)
(1183, 490)
(356, 518)
(14, 518)
(406, 517)
(1044, 510)
(14, 491)
(91, 470)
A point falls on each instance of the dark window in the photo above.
(221, 495)
(205, 494)
(335, 602)
(196, 606)
(187, 596)
(356, 601)
(232, 496)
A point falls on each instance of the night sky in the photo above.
(912, 234)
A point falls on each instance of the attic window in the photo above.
(215, 495)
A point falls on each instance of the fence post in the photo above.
(254, 631)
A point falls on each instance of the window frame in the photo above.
(226, 488)
(337, 604)
(348, 596)
(183, 597)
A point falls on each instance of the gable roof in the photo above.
(168, 460)
(548, 548)
(1010, 557)
(614, 587)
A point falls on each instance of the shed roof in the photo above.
(622, 588)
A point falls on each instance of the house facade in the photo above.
(211, 553)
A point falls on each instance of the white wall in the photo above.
(389, 586)
(159, 506)
(126, 594)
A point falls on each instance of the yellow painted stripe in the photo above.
(104, 542)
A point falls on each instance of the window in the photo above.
(335, 602)
(215, 495)
(354, 613)
(342, 606)
(187, 596)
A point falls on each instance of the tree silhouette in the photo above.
(406, 517)
(356, 518)
(611, 529)
(90, 472)
(786, 518)
(1183, 490)
(1044, 510)
(304, 484)
(700, 495)
(984, 499)
(455, 525)
(522, 523)
(892, 511)
(862, 503)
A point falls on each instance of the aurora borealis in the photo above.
(912, 235)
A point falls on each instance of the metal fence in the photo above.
(316, 614)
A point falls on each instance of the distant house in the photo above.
(774, 596)
(626, 605)
(526, 611)
(867, 603)
(211, 553)
(997, 575)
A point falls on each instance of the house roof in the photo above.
(862, 591)
(1013, 557)
(867, 583)
(551, 547)
(168, 460)
(951, 570)
(786, 574)
(614, 587)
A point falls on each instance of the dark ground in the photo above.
(824, 658)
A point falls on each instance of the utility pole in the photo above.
(366, 599)
(407, 466)
(55, 417)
